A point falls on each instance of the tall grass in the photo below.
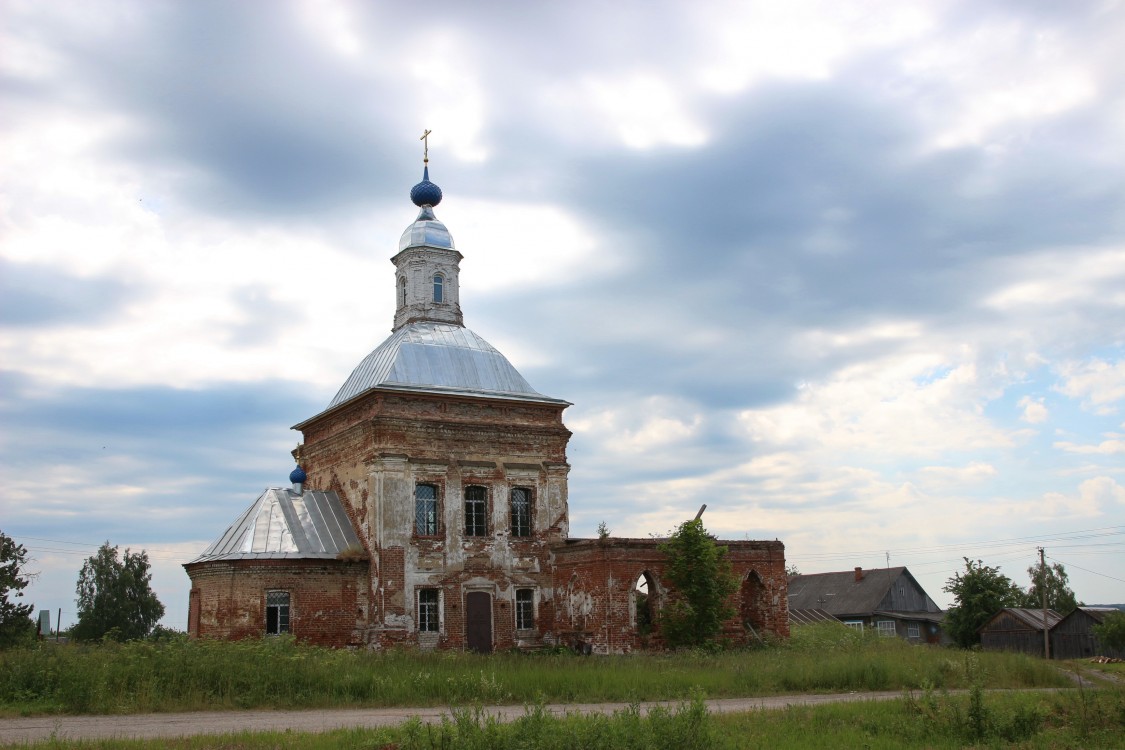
(278, 673)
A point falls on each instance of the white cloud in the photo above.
(1105, 448)
(1100, 384)
(1095, 497)
(1034, 412)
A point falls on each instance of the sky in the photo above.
(851, 274)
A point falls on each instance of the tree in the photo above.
(700, 574)
(979, 592)
(15, 624)
(1059, 596)
(115, 598)
(1111, 631)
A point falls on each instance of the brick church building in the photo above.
(429, 507)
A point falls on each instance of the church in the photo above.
(429, 507)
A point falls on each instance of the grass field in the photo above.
(183, 675)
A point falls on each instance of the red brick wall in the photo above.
(328, 601)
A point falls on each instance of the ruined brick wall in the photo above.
(328, 599)
(376, 450)
(595, 603)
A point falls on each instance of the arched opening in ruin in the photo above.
(644, 599)
(753, 603)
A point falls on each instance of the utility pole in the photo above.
(1043, 592)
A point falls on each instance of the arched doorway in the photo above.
(644, 602)
(753, 603)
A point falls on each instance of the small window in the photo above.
(521, 511)
(425, 510)
(428, 610)
(855, 625)
(277, 612)
(887, 628)
(913, 631)
(402, 291)
(476, 511)
(439, 291)
(525, 609)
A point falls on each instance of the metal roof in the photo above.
(841, 594)
(809, 616)
(426, 231)
(438, 357)
(282, 524)
(1031, 618)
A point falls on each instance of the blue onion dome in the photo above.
(425, 193)
(298, 476)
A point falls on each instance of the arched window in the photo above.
(476, 511)
(439, 291)
(402, 291)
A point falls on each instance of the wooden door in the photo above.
(478, 622)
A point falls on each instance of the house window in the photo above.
(476, 511)
(525, 609)
(439, 283)
(913, 631)
(887, 628)
(855, 625)
(277, 612)
(428, 610)
(425, 510)
(521, 511)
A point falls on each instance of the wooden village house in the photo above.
(429, 507)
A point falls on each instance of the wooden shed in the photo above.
(1017, 629)
(1073, 637)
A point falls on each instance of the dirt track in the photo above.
(23, 730)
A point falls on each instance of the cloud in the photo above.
(1099, 383)
(1034, 412)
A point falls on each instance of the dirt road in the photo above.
(23, 730)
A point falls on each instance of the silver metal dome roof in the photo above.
(426, 231)
(438, 358)
(284, 524)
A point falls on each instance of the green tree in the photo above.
(15, 622)
(1111, 631)
(702, 581)
(1059, 596)
(980, 591)
(114, 595)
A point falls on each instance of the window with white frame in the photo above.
(886, 627)
(913, 630)
(439, 288)
(425, 510)
(521, 511)
(428, 612)
(855, 624)
(277, 612)
(525, 609)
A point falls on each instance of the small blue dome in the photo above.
(298, 476)
(425, 193)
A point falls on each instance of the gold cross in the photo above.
(426, 146)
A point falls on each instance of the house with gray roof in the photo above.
(888, 600)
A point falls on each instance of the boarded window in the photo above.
(439, 291)
(428, 610)
(476, 511)
(277, 612)
(425, 510)
(521, 511)
(525, 609)
(886, 627)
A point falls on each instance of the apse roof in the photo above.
(283, 524)
(438, 358)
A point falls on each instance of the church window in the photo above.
(439, 291)
(521, 511)
(277, 612)
(402, 291)
(525, 609)
(428, 610)
(425, 510)
(476, 511)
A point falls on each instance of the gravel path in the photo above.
(22, 730)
